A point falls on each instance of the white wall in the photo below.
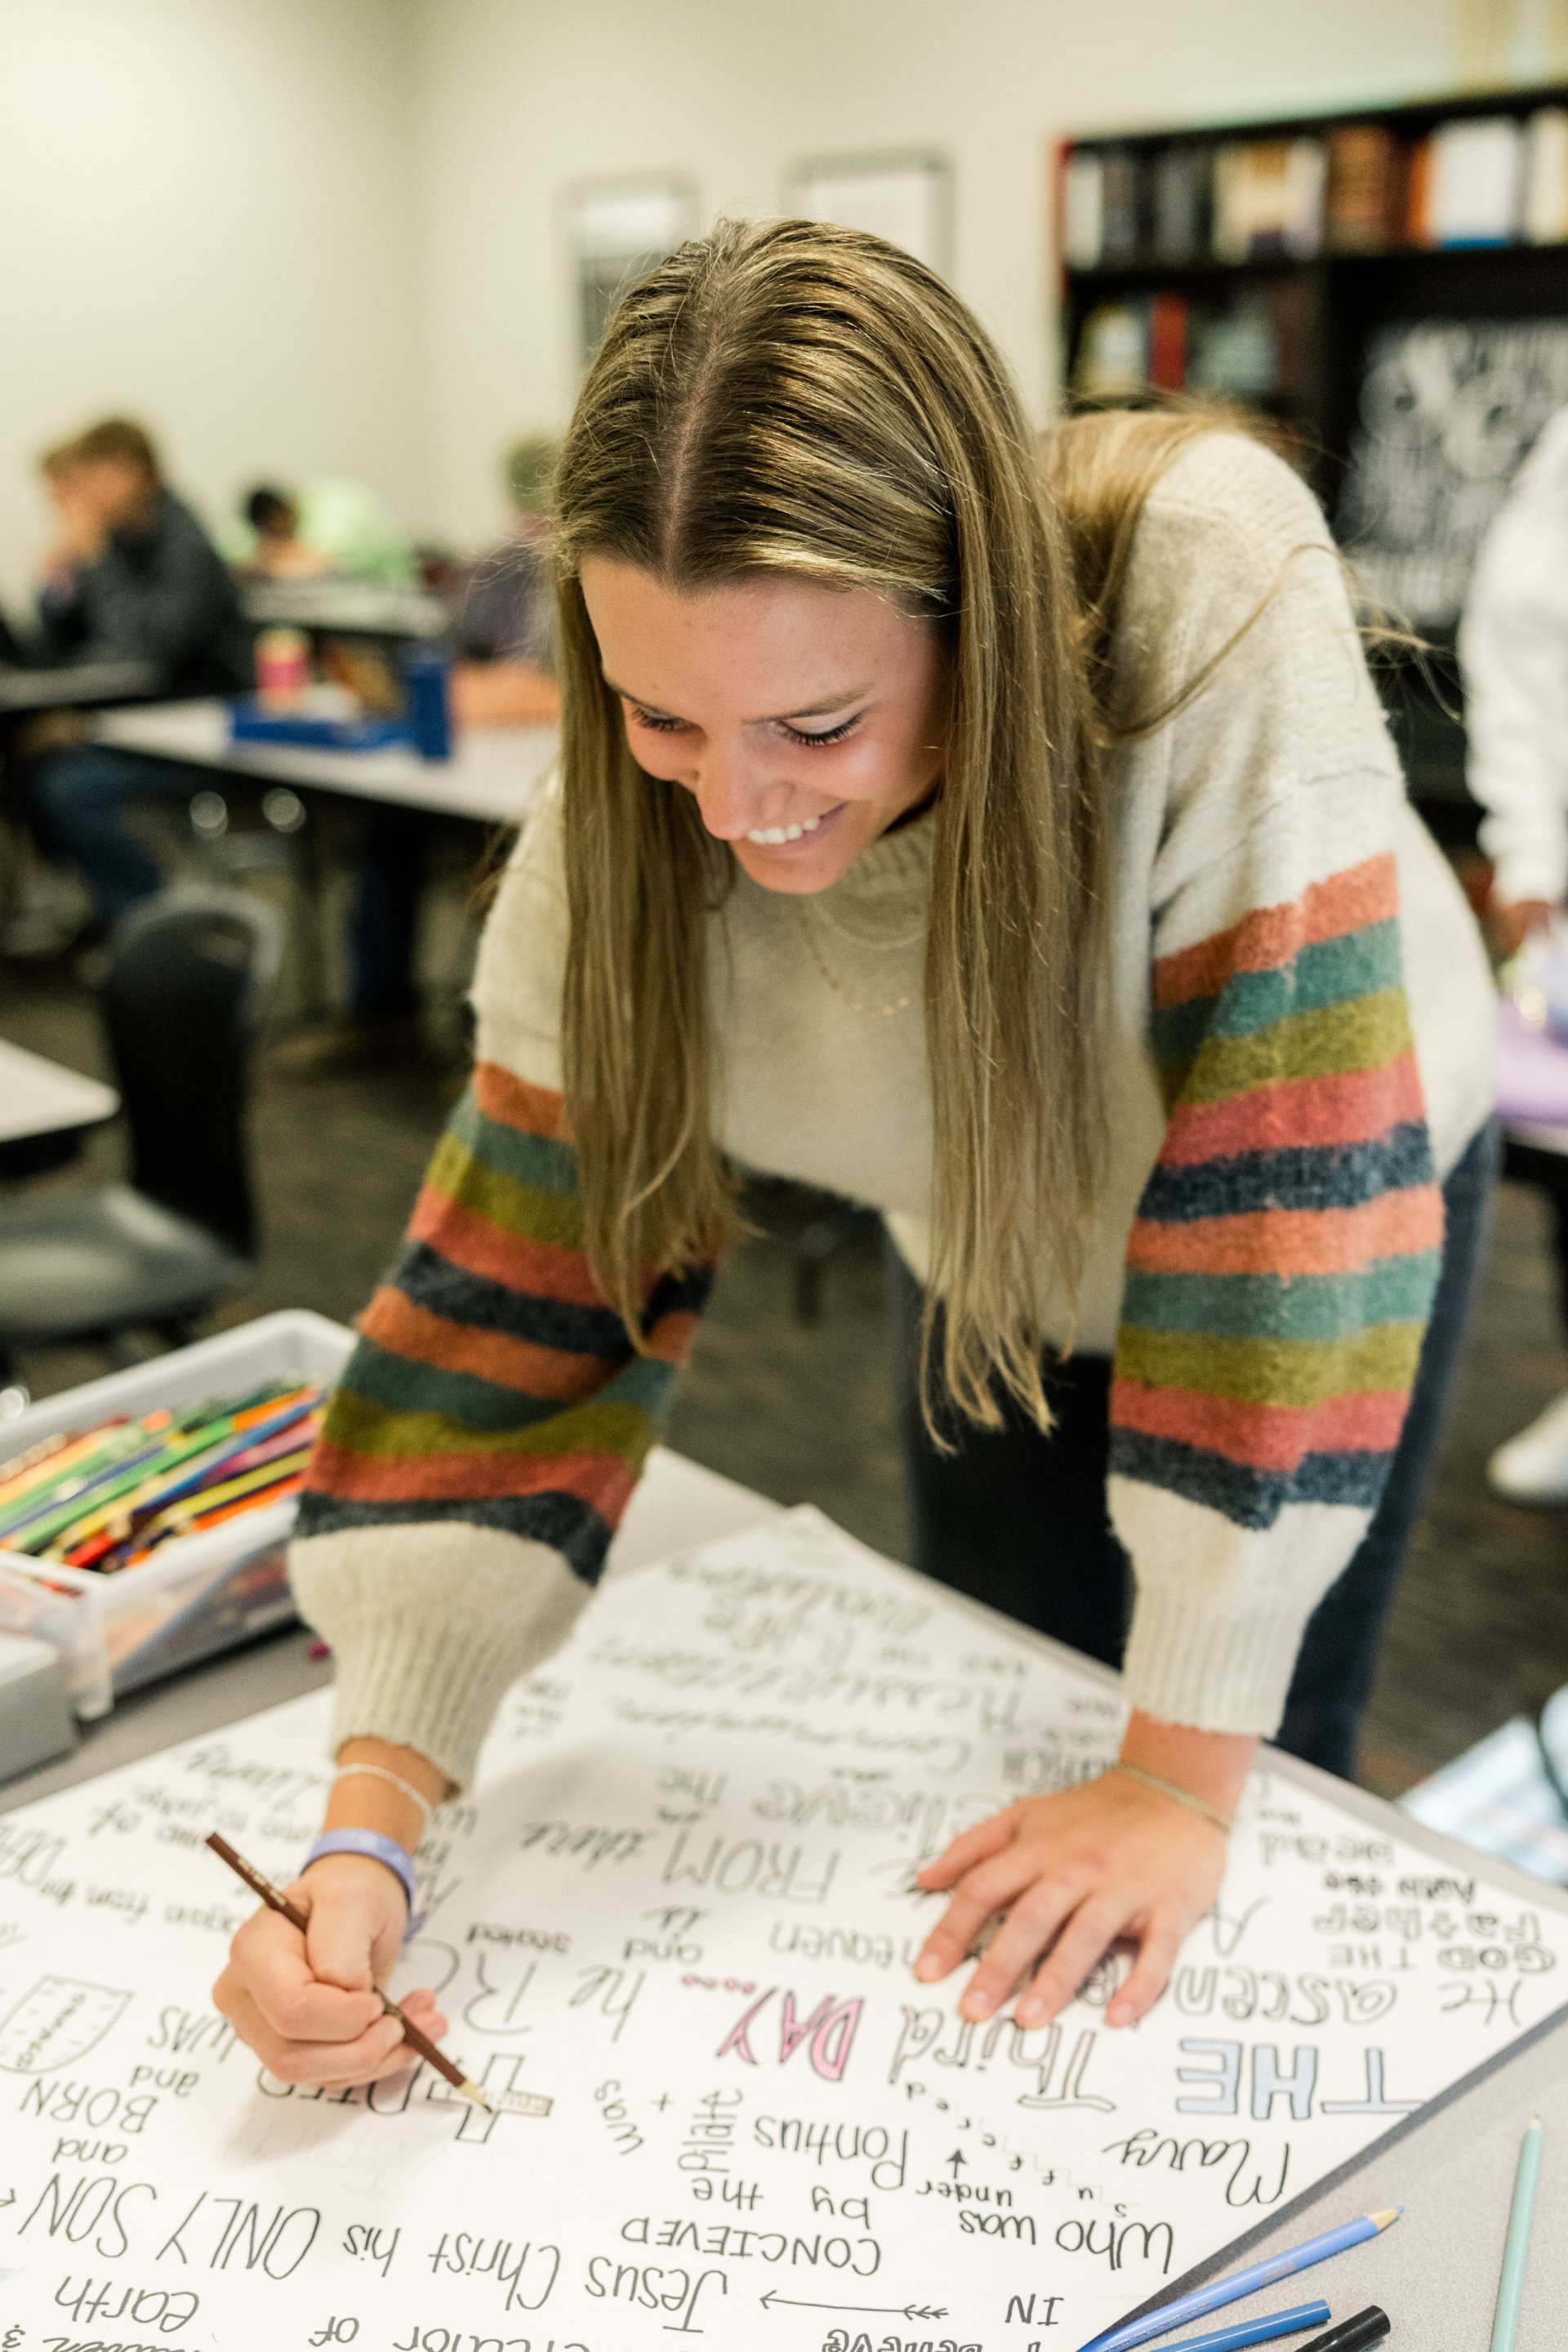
(312, 236)
(520, 97)
(207, 220)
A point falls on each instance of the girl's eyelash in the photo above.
(660, 723)
(834, 734)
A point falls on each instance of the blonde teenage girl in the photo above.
(1013, 845)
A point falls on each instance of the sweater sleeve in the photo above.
(1513, 651)
(485, 1438)
(1282, 1264)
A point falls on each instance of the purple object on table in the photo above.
(1532, 1072)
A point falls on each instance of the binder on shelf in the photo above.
(1473, 187)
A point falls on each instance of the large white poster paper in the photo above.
(672, 1929)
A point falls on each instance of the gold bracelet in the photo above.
(1199, 1805)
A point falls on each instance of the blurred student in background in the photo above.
(505, 636)
(502, 675)
(1513, 653)
(279, 553)
(339, 527)
(131, 576)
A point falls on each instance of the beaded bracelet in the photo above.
(375, 1848)
(1199, 1805)
(393, 1779)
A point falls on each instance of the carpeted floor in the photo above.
(803, 1414)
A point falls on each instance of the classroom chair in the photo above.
(190, 972)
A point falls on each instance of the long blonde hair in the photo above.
(798, 398)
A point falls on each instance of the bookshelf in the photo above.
(1387, 288)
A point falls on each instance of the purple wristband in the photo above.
(375, 1848)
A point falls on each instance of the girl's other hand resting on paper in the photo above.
(1074, 1873)
(307, 2004)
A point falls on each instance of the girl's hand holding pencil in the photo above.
(308, 2003)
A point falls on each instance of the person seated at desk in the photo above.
(1008, 837)
(340, 529)
(131, 576)
(503, 641)
(279, 552)
(505, 634)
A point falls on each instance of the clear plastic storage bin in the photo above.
(198, 1593)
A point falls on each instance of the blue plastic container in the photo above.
(248, 724)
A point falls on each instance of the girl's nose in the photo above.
(727, 801)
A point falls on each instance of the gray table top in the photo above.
(491, 776)
(1451, 2166)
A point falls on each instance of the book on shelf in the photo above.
(1083, 208)
(1236, 353)
(1121, 223)
(1182, 179)
(1269, 198)
(1363, 209)
(1166, 342)
(1465, 185)
(1113, 361)
(1543, 211)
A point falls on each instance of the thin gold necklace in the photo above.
(866, 1011)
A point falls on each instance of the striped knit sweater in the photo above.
(1295, 1050)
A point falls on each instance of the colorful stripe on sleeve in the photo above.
(1285, 1252)
(491, 1382)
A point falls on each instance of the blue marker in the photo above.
(1255, 2331)
(1247, 2282)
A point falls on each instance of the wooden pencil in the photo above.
(420, 2043)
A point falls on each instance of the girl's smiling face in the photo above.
(803, 719)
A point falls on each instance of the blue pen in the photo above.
(1228, 2290)
(1255, 2331)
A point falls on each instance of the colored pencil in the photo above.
(84, 1499)
(1516, 2249)
(245, 1449)
(419, 2042)
(1261, 2330)
(1246, 2282)
(183, 1463)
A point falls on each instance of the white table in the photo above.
(39, 1097)
(1450, 2164)
(491, 776)
(356, 608)
(75, 685)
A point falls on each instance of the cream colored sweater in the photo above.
(1297, 1049)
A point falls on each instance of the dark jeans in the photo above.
(394, 851)
(1527, 1163)
(78, 799)
(1018, 1520)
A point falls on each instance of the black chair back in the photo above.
(190, 973)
